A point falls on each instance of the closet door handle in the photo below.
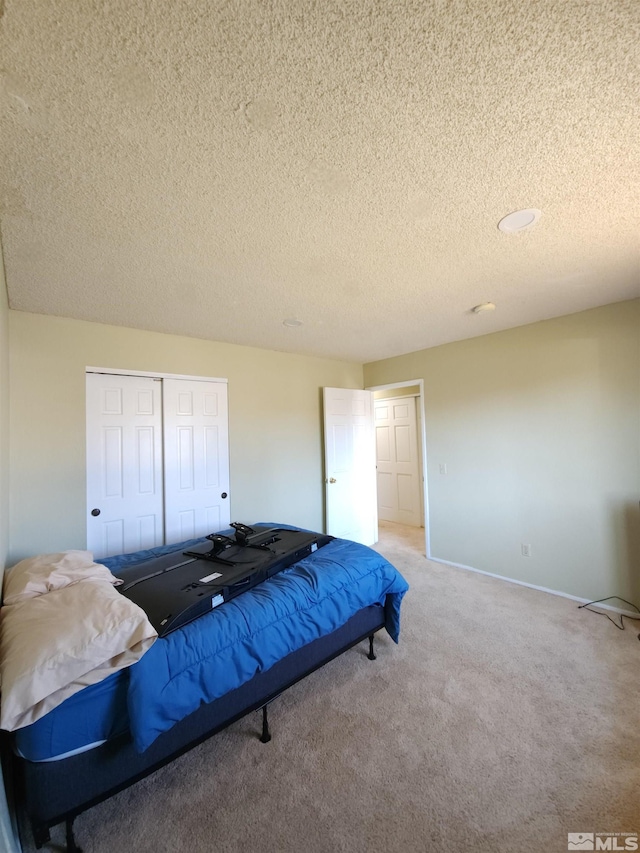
(95, 511)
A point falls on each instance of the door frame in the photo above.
(153, 374)
(422, 445)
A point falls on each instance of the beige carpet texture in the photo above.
(505, 719)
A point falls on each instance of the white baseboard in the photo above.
(533, 586)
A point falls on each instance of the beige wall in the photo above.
(8, 840)
(274, 419)
(540, 430)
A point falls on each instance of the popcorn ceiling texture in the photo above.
(210, 169)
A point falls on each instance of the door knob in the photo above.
(95, 512)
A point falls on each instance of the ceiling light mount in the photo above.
(483, 307)
(519, 220)
(291, 322)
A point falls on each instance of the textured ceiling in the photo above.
(211, 168)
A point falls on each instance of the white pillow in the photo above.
(52, 646)
(48, 572)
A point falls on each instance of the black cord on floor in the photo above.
(621, 626)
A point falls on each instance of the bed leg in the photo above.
(371, 655)
(266, 734)
(41, 835)
(72, 847)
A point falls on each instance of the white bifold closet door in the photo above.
(157, 461)
(196, 457)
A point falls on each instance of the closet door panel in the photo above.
(125, 501)
(196, 452)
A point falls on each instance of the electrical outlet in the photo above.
(526, 550)
(443, 468)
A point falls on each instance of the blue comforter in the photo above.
(227, 647)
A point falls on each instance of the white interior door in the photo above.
(350, 465)
(196, 441)
(397, 460)
(124, 464)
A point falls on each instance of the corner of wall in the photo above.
(8, 835)
(4, 417)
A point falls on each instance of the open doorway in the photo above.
(401, 454)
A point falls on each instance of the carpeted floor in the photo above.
(505, 719)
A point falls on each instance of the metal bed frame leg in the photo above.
(371, 655)
(72, 847)
(41, 836)
(266, 734)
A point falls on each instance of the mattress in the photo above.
(95, 714)
(83, 721)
